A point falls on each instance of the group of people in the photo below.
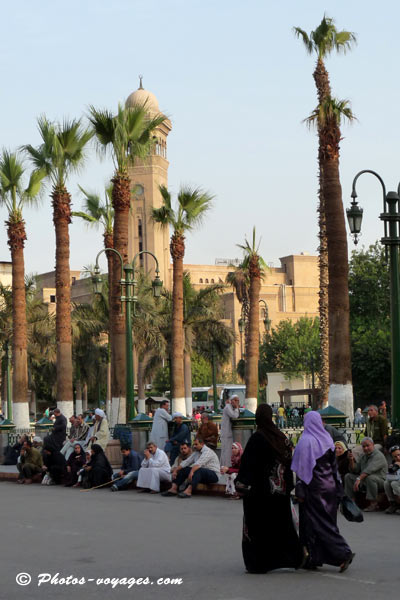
(78, 459)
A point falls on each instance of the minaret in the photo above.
(146, 177)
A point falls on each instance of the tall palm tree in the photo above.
(14, 197)
(61, 153)
(98, 213)
(328, 118)
(129, 137)
(254, 264)
(322, 42)
(192, 205)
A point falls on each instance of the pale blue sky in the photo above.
(236, 85)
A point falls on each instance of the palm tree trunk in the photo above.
(16, 240)
(177, 247)
(340, 388)
(187, 363)
(78, 398)
(142, 363)
(61, 220)
(85, 397)
(253, 347)
(121, 198)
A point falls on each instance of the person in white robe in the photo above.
(101, 432)
(231, 411)
(159, 432)
(154, 469)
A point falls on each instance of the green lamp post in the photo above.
(266, 320)
(128, 285)
(8, 351)
(391, 240)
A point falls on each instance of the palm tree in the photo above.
(322, 42)
(328, 117)
(14, 198)
(254, 264)
(97, 212)
(61, 153)
(129, 136)
(192, 205)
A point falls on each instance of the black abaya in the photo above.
(269, 539)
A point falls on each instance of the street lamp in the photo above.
(266, 320)
(391, 240)
(8, 356)
(128, 295)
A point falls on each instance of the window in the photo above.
(52, 298)
(73, 279)
(212, 281)
(206, 280)
(201, 281)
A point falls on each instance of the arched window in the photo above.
(201, 281)
(212, 281)
(206, 280)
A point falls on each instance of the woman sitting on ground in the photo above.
(342, 458)
(98, 470)
(232, 471)
(54, 462)
(75, 463)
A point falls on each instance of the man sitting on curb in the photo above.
(129, 470)
(392, 483)
(180, 434)
(368, 473)
(208, 431)
(155, 468)
(202, 466)
(31, 463)
(185, 452)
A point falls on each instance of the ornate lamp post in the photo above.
(128, 296)
(8, 353)
(391, 240)
(267, 320)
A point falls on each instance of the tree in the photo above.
(369, 289)
(129, 137)
(192, 205)
(292, 348)
(14, 197)
(61, 153)
(254, 265)
(322, 42)
(328, 118)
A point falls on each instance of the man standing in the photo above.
(59, 431)
(202, 466)
(231, 411)
(129, 470)
(376, 427)
(155, 468)
(368, 473)
(159, 431)
(281, 417)
(208, 431)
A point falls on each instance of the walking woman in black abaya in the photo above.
(269, 539)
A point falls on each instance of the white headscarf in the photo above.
(100, 412)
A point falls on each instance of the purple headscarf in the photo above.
(313, 444)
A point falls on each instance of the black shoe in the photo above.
(344, 566)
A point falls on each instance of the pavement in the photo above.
(98, 535)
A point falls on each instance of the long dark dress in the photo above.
(56, 466)
(318, 514)
(100, 472)
(76, 462)
(269, 539)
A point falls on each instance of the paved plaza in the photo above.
(98, 535)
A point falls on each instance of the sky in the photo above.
(236, 84)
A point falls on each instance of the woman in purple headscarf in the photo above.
(318, 490)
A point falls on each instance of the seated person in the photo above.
(367, 474)
(155, 468)
(202, 466)
(12, 454)
(75, 463)
(98, 470)
(31, 463)
(208, 431)
(37, 443)
(333, 432)
(376, 427)
(77, 433)
(181, 432)
(342, 458)
(392, 483)
(55, 464)
(129, 471)
(185, 452)
(232, 471)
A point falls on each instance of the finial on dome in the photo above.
(141, 82)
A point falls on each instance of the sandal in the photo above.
(345, 565)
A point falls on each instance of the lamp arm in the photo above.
(145, 252)
(354, 193)
(117, 253)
